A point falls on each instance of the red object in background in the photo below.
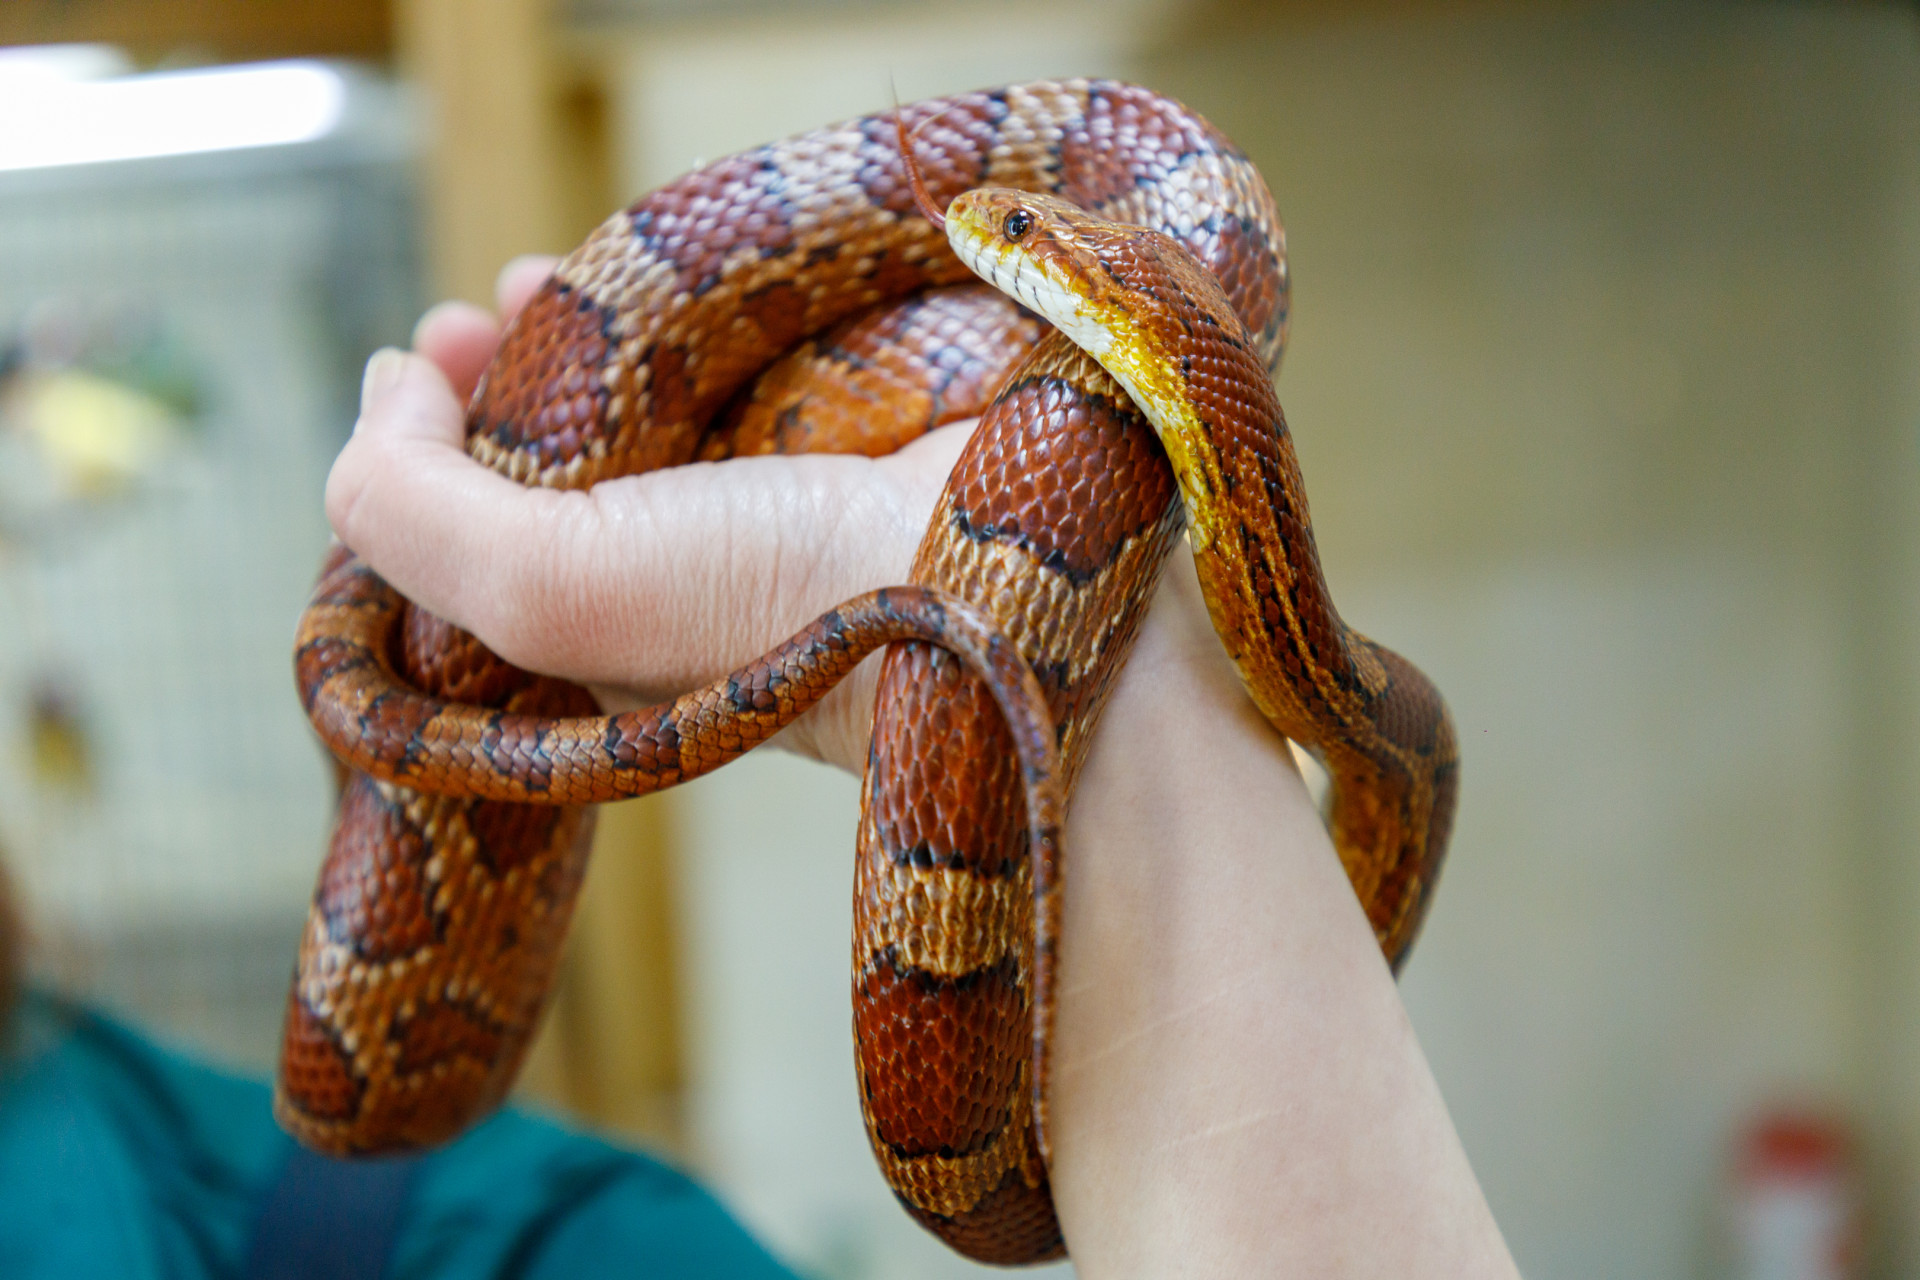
(1796, 1200)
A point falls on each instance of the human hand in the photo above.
(639, 588)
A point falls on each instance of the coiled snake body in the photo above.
(1136, 230)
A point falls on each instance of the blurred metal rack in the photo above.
(174, 885)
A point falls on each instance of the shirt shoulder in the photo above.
(121, 1157)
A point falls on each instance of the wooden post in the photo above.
(485, 68)
(517, 164)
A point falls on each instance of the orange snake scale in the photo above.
(793, 298)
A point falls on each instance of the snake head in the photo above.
(1116, 289)
(1128, 296)
(1046, 254)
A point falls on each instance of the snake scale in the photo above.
(1151, 248)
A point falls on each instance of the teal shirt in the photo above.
(121, 1159)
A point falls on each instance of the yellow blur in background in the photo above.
(1605, 378)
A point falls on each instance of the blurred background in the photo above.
(1605, 378)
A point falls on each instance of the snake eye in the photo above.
(1019, 222)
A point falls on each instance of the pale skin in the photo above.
(1237, 1089)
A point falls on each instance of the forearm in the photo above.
(1237, 1090)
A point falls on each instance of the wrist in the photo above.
(1181, 735)
(1236, 1089)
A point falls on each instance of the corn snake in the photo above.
(444, 898)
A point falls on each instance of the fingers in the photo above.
(519, 279)
(406, 444)
(653, 584)
(641, 588)
(405, 495)
(460, 337)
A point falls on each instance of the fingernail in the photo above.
(384, 371)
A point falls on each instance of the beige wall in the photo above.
(1605, 392)
(1604, 384)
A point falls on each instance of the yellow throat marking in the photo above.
(1153, 379)
(1110, 333)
